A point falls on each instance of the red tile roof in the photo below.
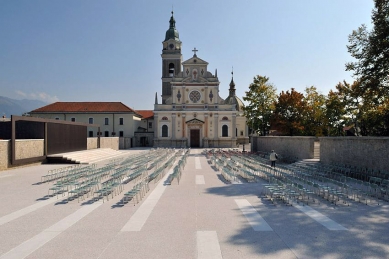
(146, 114)
(84, 107)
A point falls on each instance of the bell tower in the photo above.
(171, 58)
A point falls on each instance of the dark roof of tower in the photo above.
(172, 33)
(232, 98)
(232, 84)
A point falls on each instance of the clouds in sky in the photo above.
(37, 96)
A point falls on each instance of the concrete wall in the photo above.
(125, 143)
(299, 147)
(27, 148)
(91, 143)
(5, 154)
(367, 152)
(111, 142)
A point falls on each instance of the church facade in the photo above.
(191, 112)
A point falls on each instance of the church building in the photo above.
(191, 112)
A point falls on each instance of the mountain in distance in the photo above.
(10, 106)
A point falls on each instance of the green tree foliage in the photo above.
(335, 114)
(289, 113)
(350, 96)
(260, 98)
(371, 51)
(374, 120)
(368, 118)
(368, 98)
(314, 115)
(364, 104)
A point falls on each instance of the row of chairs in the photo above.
(72, 177)
(141, 186)
(177, 171)
(58, 173)
(228, 174)
(235, 164)
(373, 189)
(281, 185)
(92, 182)
(321, 180)
(221, 160)
(303, 181)
(137, 192)
(360, 173)
(80, 180)
(127, 172)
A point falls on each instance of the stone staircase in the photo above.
(84, 156)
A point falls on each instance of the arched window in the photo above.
(225, 131)
(164, 118)
(224, 119)
(171, 69)
(165, 131)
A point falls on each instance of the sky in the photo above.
(110, 51)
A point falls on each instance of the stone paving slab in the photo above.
(184, 213)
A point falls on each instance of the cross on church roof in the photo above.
(194, 51)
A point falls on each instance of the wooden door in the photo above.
(194, 138)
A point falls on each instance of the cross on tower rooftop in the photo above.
(194, 51)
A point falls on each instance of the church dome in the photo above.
(234, 100)
(172, 32)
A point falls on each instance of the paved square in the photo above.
(201, 217)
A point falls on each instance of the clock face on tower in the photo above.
(171, 46)
(194, 96)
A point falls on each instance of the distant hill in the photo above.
(10, 106)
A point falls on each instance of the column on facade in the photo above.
(156, 126)
(234, 125)
(206, 125)
(183, 125)
(216, 126)
(173, 126)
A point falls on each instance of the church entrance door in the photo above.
(194, 138)
(142, 141)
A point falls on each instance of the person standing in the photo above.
(273, 158)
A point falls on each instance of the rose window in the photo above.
(194, 96)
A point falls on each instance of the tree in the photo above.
(314, 116)
(288, 115)
(335, 112)
(351, 99)
(260, 97)
(375, 121)
(371, 51)
(368, 117)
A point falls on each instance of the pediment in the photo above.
(190, 79)
(195, 121)
(195, 61)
